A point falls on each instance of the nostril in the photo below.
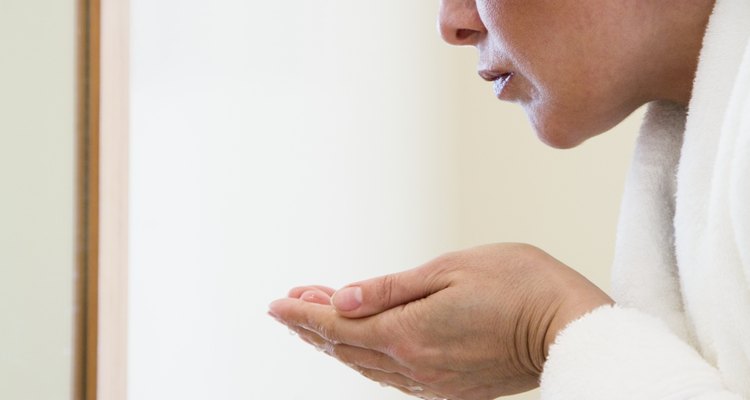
(463, 35)
(466, 36)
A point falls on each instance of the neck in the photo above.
(679, 41)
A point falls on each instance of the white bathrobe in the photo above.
(681, 276)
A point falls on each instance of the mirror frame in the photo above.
(100, 363)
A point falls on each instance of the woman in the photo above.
(502, 319)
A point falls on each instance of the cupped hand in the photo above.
(469, 325)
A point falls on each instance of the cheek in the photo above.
(572, 94)
(563, 54)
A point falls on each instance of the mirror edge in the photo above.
(100, 363)
(85, 336)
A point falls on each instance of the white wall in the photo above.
(284, 143)
(37, 189)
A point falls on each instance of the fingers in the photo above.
(317, 297)
(366, 358)
(372, 364)
(362, 343)
(392, 379)
(314, 339)
(312, 294)
(355, 357)
(400, 382)
(324, 321)
(295, 293)
(376, 295)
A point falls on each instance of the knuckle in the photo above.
(414, 356)
(325, 328)
(384, 289)
(403, 352)
(440, 270)
(447, 260)
(520, 249)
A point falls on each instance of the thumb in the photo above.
(373, 296)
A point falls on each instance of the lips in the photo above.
(499, 80)
(499, 84)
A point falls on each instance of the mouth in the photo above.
(499, 84)
(499, 80)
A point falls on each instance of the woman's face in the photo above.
(578, 67)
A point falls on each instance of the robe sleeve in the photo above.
(621, 353)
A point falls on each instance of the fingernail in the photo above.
(347, 299)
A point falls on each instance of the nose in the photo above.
(459, 22)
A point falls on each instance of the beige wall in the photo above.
(37, 143)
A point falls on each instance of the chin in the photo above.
(557, 142)
(558, 137)
(566, 131)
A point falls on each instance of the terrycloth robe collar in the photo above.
(678, 231)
